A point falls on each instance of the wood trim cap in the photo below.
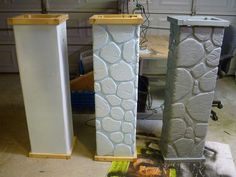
(116, 19)
(38, 19)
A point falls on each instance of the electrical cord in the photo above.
(146, 24)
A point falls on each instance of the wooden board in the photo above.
(115, 158)
(38, 19)
(116, 19)
(83, 83)
(54, 156)
(158, 45)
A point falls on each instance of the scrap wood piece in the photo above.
(83, 83)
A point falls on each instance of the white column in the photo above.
(116, 64)
(194, 53)
(43, 64)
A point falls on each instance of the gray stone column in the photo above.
(116, 60)
(194, 52)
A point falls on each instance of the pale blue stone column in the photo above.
(116, 64)
(194, 53)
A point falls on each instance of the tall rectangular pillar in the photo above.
(194, 53)
(41, 46)
(116, 65)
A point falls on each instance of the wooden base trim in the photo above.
(52, 155)
(115, 158)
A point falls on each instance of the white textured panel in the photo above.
(45, 85)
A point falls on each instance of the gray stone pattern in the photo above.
(194, 54)
(116, 65)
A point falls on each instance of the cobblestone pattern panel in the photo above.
(194, 54)
(116, 54)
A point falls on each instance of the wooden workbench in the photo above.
(157, 49)
(158, 45)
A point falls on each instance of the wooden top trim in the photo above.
(38, 19)
(116, 19)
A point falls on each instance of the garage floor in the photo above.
(14, 142)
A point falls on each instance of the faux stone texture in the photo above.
(194, 54)
(188, 120)
(189, 133)
(177, 110)
(129, 51)
(97, 87)
(100, 68)
(185, 32)
(108, 86)
(190, 52)
(178, 128)
(110, 124)
(101, 149)
(121, 72)
(183, 84)
(128, 104)
(127, 127)
(113, 100)
(207, 82)
(171, 152)
(128, 139)
(208, 46)
(218, 35)
(111, 53)
(201, 129)
(98, 125)
(117, 137)
(125, 90)
(121, 33)
(201, 102)
(122, 150)
(102, 108)
(198, 70)
(198, 149)
(202, 33)
(213, 58)
(116, 56)
(101, 38)
(184, 147)
(129, 116)
(197, 140)
(196, 89)
(117, 113)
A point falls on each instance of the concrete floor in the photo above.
(14, 142)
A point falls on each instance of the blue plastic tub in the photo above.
(82, 99)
